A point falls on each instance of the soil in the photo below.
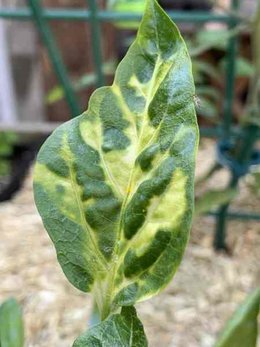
(189, 313)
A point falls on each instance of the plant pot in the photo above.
(186, 5)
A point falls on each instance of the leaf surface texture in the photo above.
(119, 330)
(114, 186)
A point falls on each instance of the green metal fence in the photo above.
(92, 14)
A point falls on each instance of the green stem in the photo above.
(253, 100)
(95, 316)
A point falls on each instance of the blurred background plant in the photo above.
(16, 154)
(242, 328)
(7, 141)
(11, 324)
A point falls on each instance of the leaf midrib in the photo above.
(120, 229)
(151, 92)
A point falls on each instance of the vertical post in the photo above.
(55, 56)
(230, 77)
(221, 219)
(220, 232)
(7, 94)
(96, 42)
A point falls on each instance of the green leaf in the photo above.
(119, 330)
(114, 186)
(213, 38)
(202, 68)
(241, 330)
(244, 67)
(214, 198)
(253, 180)
(217, 39)
(86, 80)
(5, 167)
(209, 92)
(11, 324)
(207, 108)
(127, 6)
(7, 140)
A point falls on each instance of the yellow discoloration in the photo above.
(65, 200)
(145, 237)
(173, 200)
(131, 130)
(91, 131)
(129, 190)
(120, 167)
(141, 88)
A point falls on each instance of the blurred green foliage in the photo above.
(213, 199)
(253, 180)
(7, 140)
(209, 75)
(84, 81)
(242, 329)
(127, 6)
(11, 324)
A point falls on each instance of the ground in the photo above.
(189, 313)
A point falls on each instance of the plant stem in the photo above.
(253, 100)
(95, 317)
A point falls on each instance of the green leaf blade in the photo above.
(241, 330)
(119, 330)
(212, 199)
(115, 186)
(11, 324)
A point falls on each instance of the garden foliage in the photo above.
(7, 140)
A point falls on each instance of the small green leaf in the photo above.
(209, 92)
(241, 330)
(114, 186)
(207, 108)
(253, 180)
(244, 67)
(214, 198)
(11, 324)
(86, 80)
(200, 67)
(127, 6)
(7, 140)
(213, 39)
(119, 330)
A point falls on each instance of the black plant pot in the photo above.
(186, 5)
(20, 161)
